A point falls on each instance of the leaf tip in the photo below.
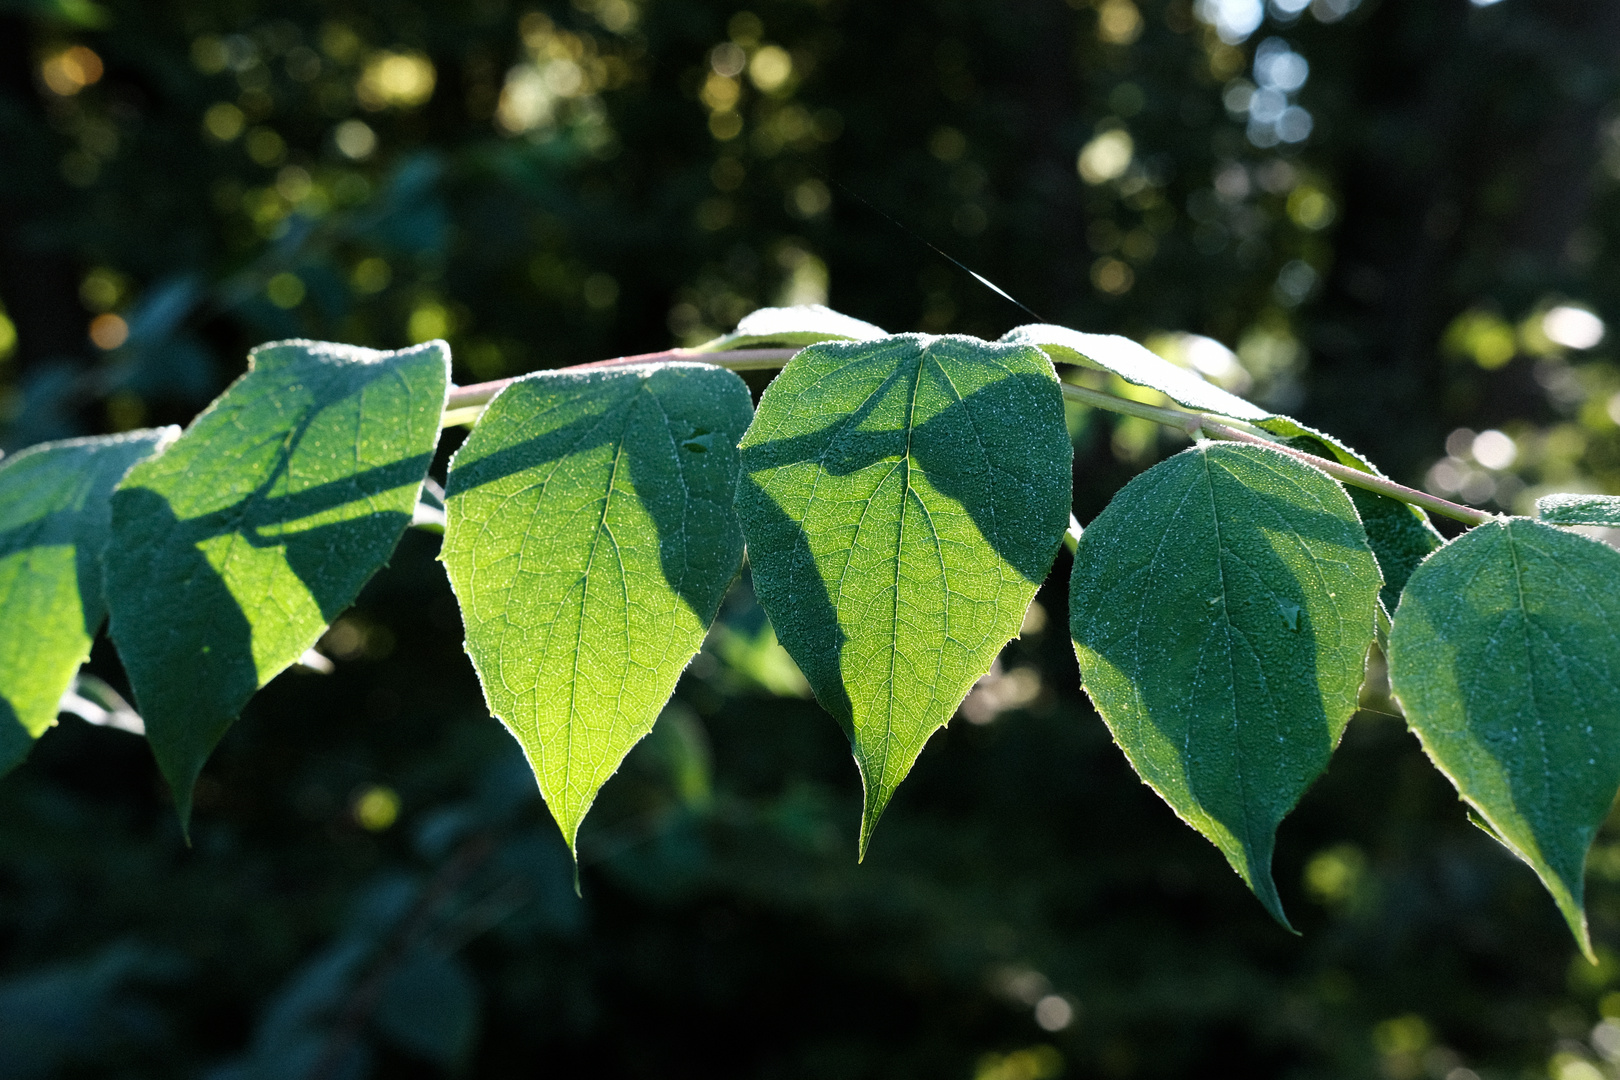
(875, 802)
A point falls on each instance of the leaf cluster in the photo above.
(900, 499)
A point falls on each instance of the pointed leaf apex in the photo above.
(871, 811)
(1264, 888)
(183, 787)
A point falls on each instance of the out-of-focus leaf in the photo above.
(429, 1007)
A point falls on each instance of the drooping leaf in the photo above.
(1401, 535)
(1505, 655)
(1222, 606)
(903, 499)
(234, 548)
(1579, 510)
(805, 324)
(590, 538)
(54, 515)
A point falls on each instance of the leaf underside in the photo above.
(590, 537)
(234, 548)
(804, 324)
(903, 499)
(1505, 655)
(53, 526)
(1579, 510)
(1222, 606)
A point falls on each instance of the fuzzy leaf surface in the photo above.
(804, 324)
(234, 548)
(1400, 535)
(1579, 510)
(54, 515)
(1136, 365)
(590, 537)
(1222, 606)
(903, 499)
(1505, 655)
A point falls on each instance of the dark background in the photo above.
(375, 888)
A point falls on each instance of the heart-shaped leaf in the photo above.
(590, 537)
(234, 548)
(1221, 608)
(1505, 655)
(903, 499)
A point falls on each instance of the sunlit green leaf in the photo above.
(1505, 655)
(591, 535)
(53, 526)
(802, 325)
(234, 548)
(1136, 365)
(1221, 608)
(903, 499)
(1579, 510)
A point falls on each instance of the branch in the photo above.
(465, 403)
(479, 394)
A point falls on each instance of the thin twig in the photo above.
(1225, 427)
(465, 403)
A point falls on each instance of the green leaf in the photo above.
(1579, 510)
(590, 538)
(1221, 608)
(1505, 655)
(1136, 365)
(53, 526)
(1401, 535)
(234, 548)
(903, 499)
(802, 325)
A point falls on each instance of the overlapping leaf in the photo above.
(591, 535)
(1579, 510)
(53, 526)
(805, 324)
(903, 499)
(1221, 609)
(234, 548)
(1136, 365)
(1505, 655)
(1400, 535)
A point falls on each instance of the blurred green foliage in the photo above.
(1398, 221)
